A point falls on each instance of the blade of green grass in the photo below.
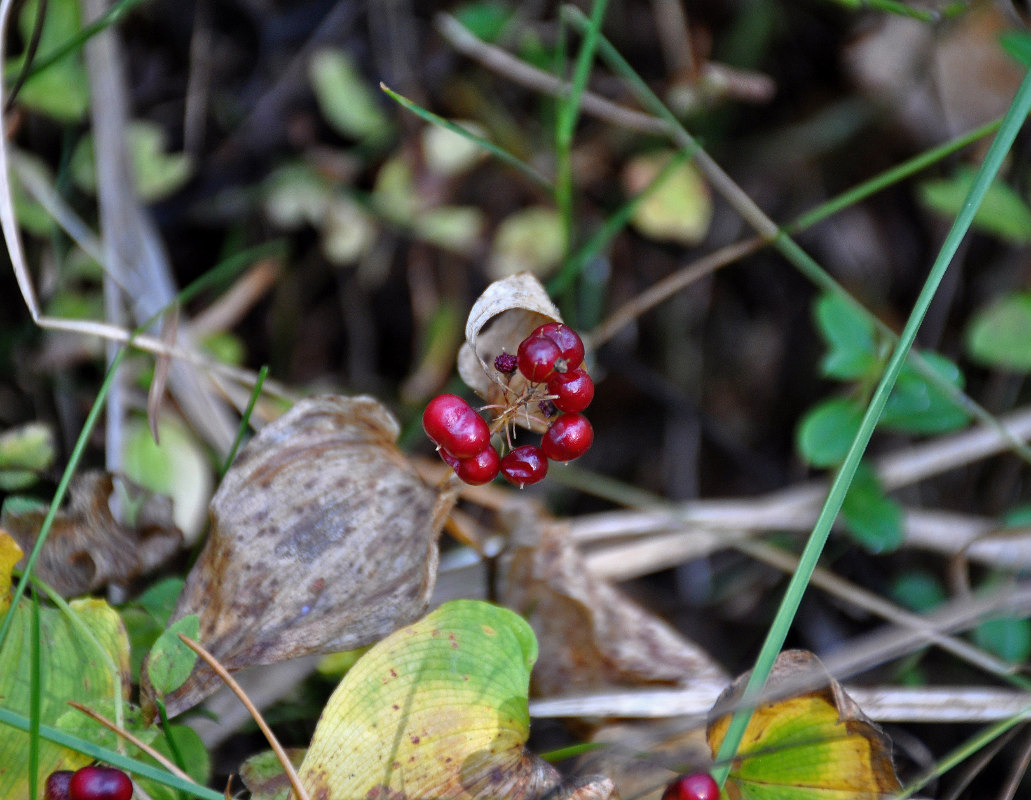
(245, 419)
(784, 618)
(35, 698)
(901, 9)
(565, 124)
(115, 759)
(502, 155)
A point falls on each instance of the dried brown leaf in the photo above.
(505, 314)
(323, 538)
(591, 635)
(87, 547)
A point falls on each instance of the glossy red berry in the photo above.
(524, 465)
(573, 390)
(699, 786)
(569, 437)
(100, 783)
(452, 423)
(57, 785)
(481, 468)
(537, 357)
(568, 342)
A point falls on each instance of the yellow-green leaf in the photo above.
(812, 745)
(437, 709)
(85, 658)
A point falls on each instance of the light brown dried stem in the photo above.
(146, 748)
(270, 737)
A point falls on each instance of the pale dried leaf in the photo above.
(87, 547)
(323, 538)
(591, 635)
(505, 314)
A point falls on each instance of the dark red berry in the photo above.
(573, 390)
(537, 357)
(452, 423)
(481, 468)
(57, 785)
(524, 465)
(506, 363)
(569, 437)
(100, 783)
(449, 459)
(699, 786)
(568, 342)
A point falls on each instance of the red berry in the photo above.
(100, 783)
(573, 390)
(57, 785)
(451, 422)
(568, 342)
(481, 468)
(537, 357)
(524, 465)
(569, 437)
(699, 786)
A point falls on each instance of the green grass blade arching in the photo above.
(1000, 146)
(502, 155)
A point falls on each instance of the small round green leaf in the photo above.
(1000, 335)
(171, 661)
(827, 431)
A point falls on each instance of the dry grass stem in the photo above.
(146, 748)
(288, 768)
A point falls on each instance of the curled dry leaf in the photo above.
(814, 742)
(87, 547)
(591, 635)
(505, 314)
(438, 710)
(323, 538)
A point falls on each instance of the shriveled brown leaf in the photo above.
(323, 538)
(591, 635)
(505, 314)
(87, 547)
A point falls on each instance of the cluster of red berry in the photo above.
(697, 786)
(550, 360)
(88, 783)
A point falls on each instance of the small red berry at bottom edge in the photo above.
(569, 437)
(698, 786)
(453, 424)
(524, 465)
(100, 783)
(537, 357)
(481, 468)
(57, 785)
(568, 341)
(573, 390)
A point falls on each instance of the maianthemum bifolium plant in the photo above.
(883, 385)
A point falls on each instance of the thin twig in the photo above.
(277, 748)
(146, 748)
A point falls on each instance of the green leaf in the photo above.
(679, 209)
(1002, 213)
(1007, 637)
(850, 338)
(345, 98)
(918, 591)
(159, 599)
(171, 661)
(431, 710)
(826, 431)
(1000, 335)
(62, 90)
(85, 658)
(873, 519)
(917, 406)
(196, 760)
(1017, 44)
(485, 19)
